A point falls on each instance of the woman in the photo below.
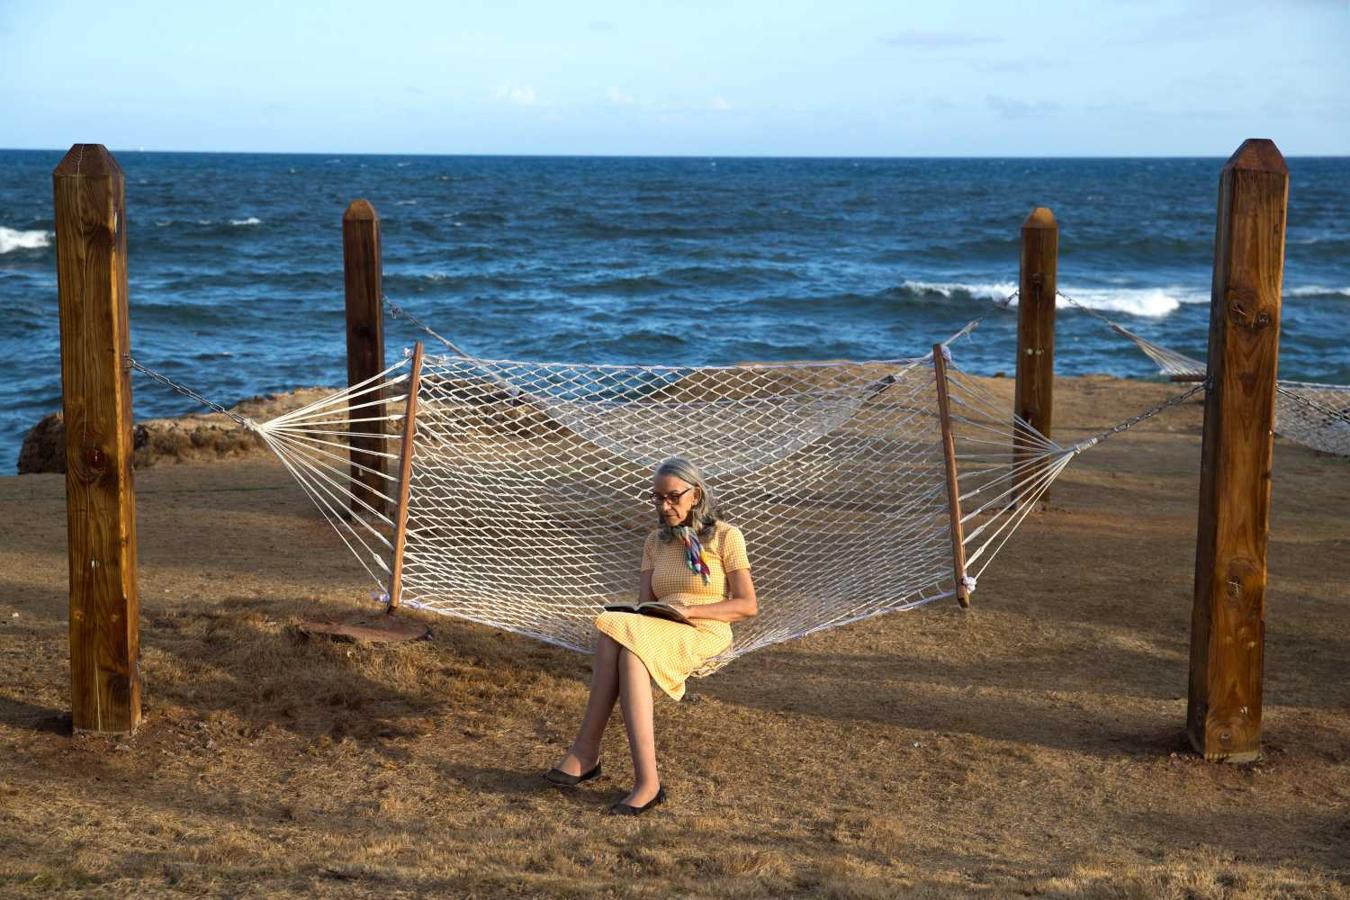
(696, 563)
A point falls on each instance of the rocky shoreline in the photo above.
(190, 437)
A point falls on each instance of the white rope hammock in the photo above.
(526, 496)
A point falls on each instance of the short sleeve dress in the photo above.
(671, 650)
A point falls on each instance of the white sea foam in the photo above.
(1311, 290)
(1132, 301)
(13, 239)
(997, 290)
(251, 220)
(1154, 302)
(405, 202)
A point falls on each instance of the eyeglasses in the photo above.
(673, 498)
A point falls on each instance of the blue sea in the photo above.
(235, 263)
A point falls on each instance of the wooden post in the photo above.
(953, 486)
(405, 478)
(91, 275)
(1034, 398)
(362, 273)
(1228, 619)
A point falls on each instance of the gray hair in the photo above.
(704, 515)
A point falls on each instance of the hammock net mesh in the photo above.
(527, 498)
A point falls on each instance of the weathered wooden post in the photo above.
(1228, 619)
(362, 274)
(89, 192)
(1034, 397)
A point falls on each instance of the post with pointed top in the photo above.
(1228, 618)
(89, 192)
(1035, 390)
(362, 274)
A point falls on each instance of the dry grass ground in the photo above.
(1031, 746)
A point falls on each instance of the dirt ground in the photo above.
(1030, 746)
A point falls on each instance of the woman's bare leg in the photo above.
(585, 750)
(635, 699)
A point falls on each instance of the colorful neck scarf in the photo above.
(693, 551)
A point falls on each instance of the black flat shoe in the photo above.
(623, 809)
(562, 779)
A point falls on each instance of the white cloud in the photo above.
(617, 97)
(516, 94)
(719, 102)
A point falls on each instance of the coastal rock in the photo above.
(44, 447)
(180, 439)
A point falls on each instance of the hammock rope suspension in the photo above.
(1312, 414)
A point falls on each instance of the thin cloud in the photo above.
(1012, 108)
(717, 103)
(917, 39)
(1017, 66)
(516, 94)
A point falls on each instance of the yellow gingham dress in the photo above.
(671, 650)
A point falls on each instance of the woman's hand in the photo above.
(684, 609)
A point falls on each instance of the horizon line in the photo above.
(708, 156)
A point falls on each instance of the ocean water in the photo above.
(235, 263)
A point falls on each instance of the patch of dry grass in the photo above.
(1032, 746)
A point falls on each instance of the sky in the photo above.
(762, 78)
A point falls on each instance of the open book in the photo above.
(650, 608)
